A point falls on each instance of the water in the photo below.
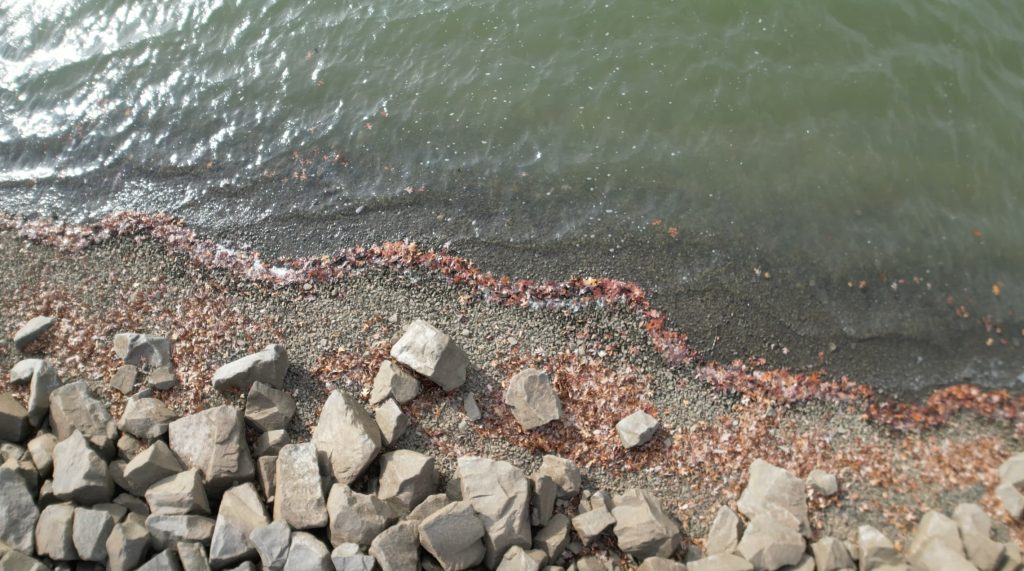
(681, 143)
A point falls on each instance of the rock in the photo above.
(348, 557)
(470, 407)
(79, 474)
(589, 563)
(166, 560)
(271, 542)
(875, 549)
(823, 483)
(167, 530)
(408, 477)
(724, 535)
(392, 421)
(426, 350)
(17, 561)
(268, 408)
(146, 418)
(269, 367)
(564, 473)
(46, 497)
(720, 562)
(41, 448)
(22, 371)
(346, 438)
(661, 564)
(149, 467)
(117, 511)
(90, 532)
(14, 425)
(589, 525)
(270, 443)
(553, 537)
(132, 504)
(770, 543)
(935, 525)
(213, 441)
(307, 553)
(391, 381)
(637, 429)
(397, 548)
(519, 559)
(44, 381)
(1012, 470)
(500, 494)
(934, 554)
(453, 536)
(241, 512)
(24, 468)
(142, 350)
(266, 472)
(806, 564)
(179, 494)
(73, 407)
(354, 517)
(299, 497)
(976, 534)
(830, 554)
(428, 507)
(128, 447)
(126, 546)
(54, 532)
(1012, 499)
(162, 379)
(532, 399)
(123, 379)
(642, 529)
(542, 501)
(32, 329)
(770, 486)
(193, 557)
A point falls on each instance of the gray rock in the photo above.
(166, 560)
(355, 517)
(453, 536)
(44, 381)
(307, 553)
(270, 443)
(266, 472)
(269, 367)
(149, 467)
(41, 449)
(519, 559)
(393, 382)
(14, 425)
(213, 441)
(830, 554)
(770, 486)
(142, 350)
(1012, 470)
(589, 525)
(589, 563)
(532, 399)
(179, 494)
(128, 447)
(193, 556)
(542, 501)
(724, 535)
(132, 504)
(935, 525)
(934, 554)
(167, 530)
(662, 564)
(397, 548)
(90, 532)
(17, 561)
(299, 497)
(823, 483)
(54, 532)
(22, 371)
(32, 329)
(241, 512)
(470, 407)
(73, 407)
(123, 379)
(427, 507)
(407, 477)
(271, 542)
(806, 564)
(553, 537)
(268, 408)
(46, 497)
(637, 429)
(117, 511)
(162, 379)
(976, 534)
(1012, 500)
(26, 470)
(770, 543)
(392, 421)
(426, 350)
(346, 438)
(642, 528)
(348, 557)
(146, 418)
(500, 494)
(564, 473)
(721, 562)
(875, 549)
(126, 545)
(79, 474)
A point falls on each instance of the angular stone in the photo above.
(976, 534)
(661, 564)
(213, 441)
(141, 350)
(355, 517)
(426, 350)
(146, 418)
(54, 532)
(346, 438)
(73, 407)
(532, 399)
(44, 382)
(720, 562)
(269, 367)
(271, 542)
(299, 496)
(41, 448)
(936, 525)
(724, 535)
(519, 559)
(123, 379)
(589, 563)
(14, 425)
(166, 560)
(17, 561)
(193, 557)
(22, 371)
(126, 546)
(32, 329)
(553, 537)
(564, 473)
(167, 530)
(179, 494)
(830, 554)
(453, 536)
(266, 472)
(470, 407)
(823, 483)
(79, 474)
(642, 528)
(132, 504)
(348, 557)
(149, 467)
(162, 379)
(270, 443)
(590, 525)
(392, 421)
(1012, 500)
(26, 470)
(117, 511)
(241, 512)
(934, 554)
(542, 501)
(875, 548)
(428, 507)
(769, 485)
(1012, 470)
(391, 381)
(307, 553)
(397, 548)
(769, 543)
(806, 564)
(90, 533)
(128, 447)
(268, 408)
(500, 494)
(408, 477)
(637, 429)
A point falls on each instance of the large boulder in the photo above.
(143, 350)
(408, 477)
(299, 497)
(346, 437)
(453, 535)
(393, 382)
(241, 512)
(79, 474)
(268, 408)
(307, 553)
(213, 441)
(769, 487)
(73, 407)
(127, 545)
(179, 494)
(356, 518)
(18, 512)
(91, 529)
(150, 466)
(146, 418)
(397, 547)
(167, 530)
(54, 532)
(532, 399)
(426, 350)
(269, 367)
(642, 528)
(14, 425)
(500, 494)
(31, 330)
(271, 542)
